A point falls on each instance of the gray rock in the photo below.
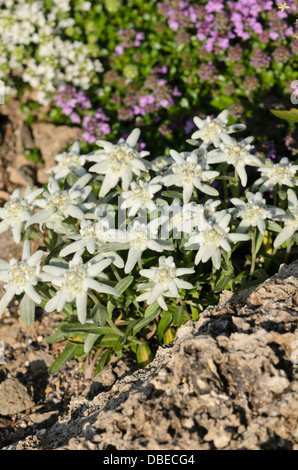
(14, 397)
(228, 381)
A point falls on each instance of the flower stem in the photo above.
(253, 250)
(236, 184)
(288, 249)
(230, 268)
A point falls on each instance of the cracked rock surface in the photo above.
(229, 381)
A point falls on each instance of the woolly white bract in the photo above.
(17, 211)
(74, 281)
(20, 277)
(163, 282)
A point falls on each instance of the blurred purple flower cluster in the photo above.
(219, 22)
(95, 126)
(128, 38)
(154, 95)
(72, 102)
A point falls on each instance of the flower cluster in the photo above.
(34, 49)
(117, 221)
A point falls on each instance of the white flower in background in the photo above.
(212, 130)
(120, 161)
(92, 236)
(21, 276)
(207, 211)
(290, 220)
(282, 173)
(237, 154)
(69, 162)
(56, 204)
(254, 212)
(140, 196)
(141, 236)
(163, 282)
(178, 219)
(214, 236)
(160, 164)
(74, 282)
(189, 172)
(17, 211)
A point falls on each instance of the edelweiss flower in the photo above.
(178, 219)
(163, 282)
(188, 172)
(118, 161)
(213, 237)
(74, 282)
(69, 162)
(142, 236)
(18, 210)
(212, 130)
(160, 164)
(21, 276)
(237, 154)
(282, 173)
(207, 211)
(92, 236)
(290, 219)
(140, 196)
(59, 204)
(254, 212)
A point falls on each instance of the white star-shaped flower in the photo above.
(212, 130)
(214, 236)
(74, 282)
(20, 277)
(281, 173)
(120, 161)
(189, 172)
(141, 236)
(254, 212)
(92, 236)
(56, 204)
(140, 196)
(163, 282)
(290, 220)
(236, 153)
(17, 211)
(69, 162)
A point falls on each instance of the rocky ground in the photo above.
(229, 381)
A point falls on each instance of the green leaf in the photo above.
(110, 306)
(124, 284)
(89, 342)
(291, 115)
(163, 324)
(110, 340)
(113, 246)
(273, 226)
(172, 194)
(55, 338)
(151, 309)
(145, 321)
(99, 315)
(27, 308)
(222, 283)
(259, 241)
(102, 362)
(74, 328)
(179, 316)
(144, 354)
(68, 353)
